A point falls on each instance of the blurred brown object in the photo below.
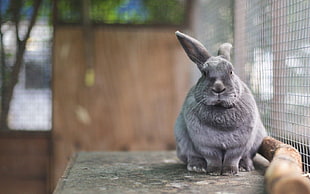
(284, 175)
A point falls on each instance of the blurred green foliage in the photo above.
(124, 11)
(13, 10)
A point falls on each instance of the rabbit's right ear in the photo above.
(194, 49)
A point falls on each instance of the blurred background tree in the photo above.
(20, 15)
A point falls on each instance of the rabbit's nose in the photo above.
(218, 87)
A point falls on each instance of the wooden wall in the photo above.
(24, 162)
(141, 79)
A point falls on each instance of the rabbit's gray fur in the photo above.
(219, 128)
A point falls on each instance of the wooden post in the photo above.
(240, 42)
(284, 175)
(89, 79)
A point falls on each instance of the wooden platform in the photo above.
(150, 172)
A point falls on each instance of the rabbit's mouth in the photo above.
(223, 104)
(223, 101)
(226, 100)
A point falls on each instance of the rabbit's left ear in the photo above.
(225, 50)
(194, 49)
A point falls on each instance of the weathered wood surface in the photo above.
(150, 172)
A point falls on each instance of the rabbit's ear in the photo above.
(224, 50)
(194, 49)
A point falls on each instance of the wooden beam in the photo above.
(284, 175)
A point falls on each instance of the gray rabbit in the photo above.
(219, 128)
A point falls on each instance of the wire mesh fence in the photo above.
(278, 56)
(214, 23)
(31, 106)
(272, 54)
(25, 92)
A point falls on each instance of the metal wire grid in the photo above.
(31, 105)
(273, 45)
(214, 23)
(278, 56)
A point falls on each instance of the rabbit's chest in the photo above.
(204, 135)
(219, 129)
(223, 119)
(209, 137)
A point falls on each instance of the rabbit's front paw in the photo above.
(246, 164)
(229, 170)
(214, 170)
(197, 165)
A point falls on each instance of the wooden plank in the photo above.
(22, 186)
(24, 145)
(24, 165)
(150, 172)
(61, 182)
(24, 162)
